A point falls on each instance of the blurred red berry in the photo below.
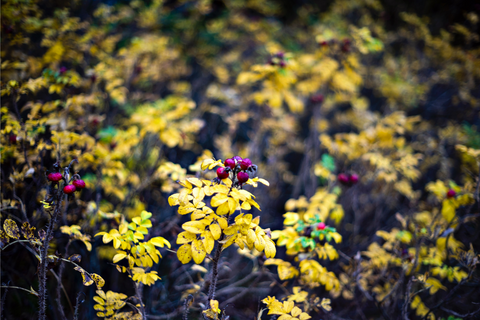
(317, 98)
(63, 70)
(282, 64)
(242, 177)
(229, 163)
(54, 177)
(346, 45)
(280, 54)
(222, 173)
(12, 138)
(245, 163)
(353, 179)
(321, 226)
(343, 178)
(79, 184)
(68, 189)
(451, 193)
(324, 43)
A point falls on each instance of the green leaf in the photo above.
(145, 215)
(328, 162)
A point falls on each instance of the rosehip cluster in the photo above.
(347, 179)
(278, 59)
(242, 169)
(77, 183)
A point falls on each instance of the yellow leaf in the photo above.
(216, 231)
(290, 218)
(434, 285)
(448, 209)
(218, 200)
(11, 229)
(184, 253)
(99, 281)
(208, 242)
(194, 226)
(118, 257)
(186, 237)
(159, 242)
(198, 251)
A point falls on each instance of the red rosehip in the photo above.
(54, 177)
(68, 189)
(229, 163)
(317, 98)
(343, 178)
(353, 178)
(242, 177)
(245, 163)
(321, 226)
(451, 193)
(222, 173)
(79, 184)
(12, 138)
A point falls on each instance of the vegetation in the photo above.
(238, 159)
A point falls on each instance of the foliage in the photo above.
(362, 117)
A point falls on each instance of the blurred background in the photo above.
(140, 92)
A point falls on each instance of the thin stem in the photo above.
(42, 275)
(20, 288)
(16, 241)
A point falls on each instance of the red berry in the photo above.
(54, 177)
(321, 226)
(245, 163)
(324, 43)
(222, 173)
(79, 184)
(237, 158)
(68, 189)
(13, 138)
(282, 64)
(343, 178)
(317, 98)
(242, 177)
(229, 163)
(451, 193)
(353, 178)
(63, 70)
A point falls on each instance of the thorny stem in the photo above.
(60, 286)
(213, 282)
(450, 294)
(407, 299)
(138, 293)
(42, 275)
(216, 258)
(77, 304)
